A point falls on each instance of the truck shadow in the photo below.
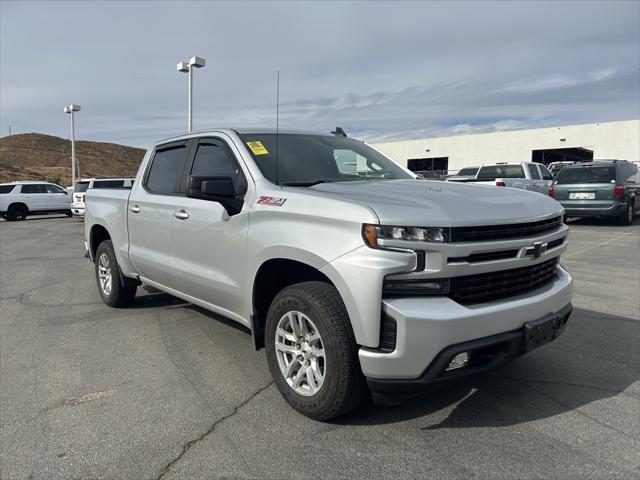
(596, 358)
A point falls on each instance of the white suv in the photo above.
(19, 199)
(78, 206)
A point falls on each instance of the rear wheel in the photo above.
(68, 213)
(17, 212)
(626, 218)
(311, 351)
(113, 291)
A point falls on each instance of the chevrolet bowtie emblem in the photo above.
(536, 250)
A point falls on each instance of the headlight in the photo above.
(373, 233)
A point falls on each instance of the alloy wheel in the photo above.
(104, 274)
(300, 353)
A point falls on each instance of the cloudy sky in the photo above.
(381, 70)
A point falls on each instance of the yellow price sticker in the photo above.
(257, 148)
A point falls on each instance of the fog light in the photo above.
(459, 361)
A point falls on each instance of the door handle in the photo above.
(181, 215)
(135, 209)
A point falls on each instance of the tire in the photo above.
(69, 213)
(341, 387)
(17, 212)
(626, 217)
(109, 280)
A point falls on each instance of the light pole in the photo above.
(70, 109)
(187, 67)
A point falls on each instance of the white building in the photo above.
(611, 140)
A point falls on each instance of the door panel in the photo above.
(57, 199)
(209, 244)
(209, 252)
(34, 196)
(149, 220)
(150, 214)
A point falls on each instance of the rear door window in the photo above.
(34, 188)
(166, 169)
(491, 172)
(586, 175)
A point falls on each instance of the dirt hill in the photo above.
(35, 156)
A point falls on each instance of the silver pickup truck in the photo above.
(354, 275)
(530, 176)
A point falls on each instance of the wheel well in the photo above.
(98, 235)
(18, 203)
(273, 276)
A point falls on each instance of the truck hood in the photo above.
(441, 204)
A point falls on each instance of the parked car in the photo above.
(555, 167)
(464, 175)
(352, 279)
(603, 188)
(21, 199)
(524, 175)
(78, 206)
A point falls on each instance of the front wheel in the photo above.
(311, 351)
(113, 291)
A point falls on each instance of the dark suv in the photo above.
(603, 188)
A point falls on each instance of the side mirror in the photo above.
(218, 189)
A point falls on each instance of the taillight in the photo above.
(618, 192)
(550, 192)
(500, 183)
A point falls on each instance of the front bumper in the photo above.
(77, 210)
(428, 325)
(486, 354)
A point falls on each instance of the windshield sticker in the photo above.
(271, 201)
(257, 148)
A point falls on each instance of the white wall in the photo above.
(611, 140)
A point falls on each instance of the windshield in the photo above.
(586, 175)
(468, 171)
(309, 159)
(81, 187)
(492, 172)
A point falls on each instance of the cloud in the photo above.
(385, 69)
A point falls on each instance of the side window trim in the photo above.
(192, 156)
(158, 148)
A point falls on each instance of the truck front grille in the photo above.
(501, 232)
(494, 285)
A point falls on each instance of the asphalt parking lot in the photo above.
(166, 390)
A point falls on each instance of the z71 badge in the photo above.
(271, 201)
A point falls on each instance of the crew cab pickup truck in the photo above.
(525, 176)
(353, 275)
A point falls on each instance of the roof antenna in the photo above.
(277, 120)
